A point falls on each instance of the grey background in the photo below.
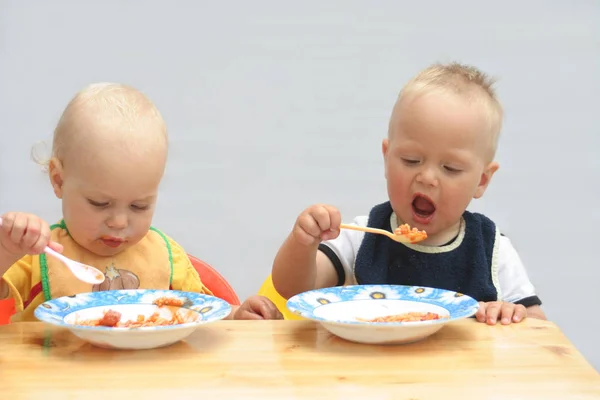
(274, 105)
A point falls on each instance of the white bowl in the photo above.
(199, 309)
(341, 310)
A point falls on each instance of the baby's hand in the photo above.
(506, 312)
(317, 223)
(257, 307)
(22, 234)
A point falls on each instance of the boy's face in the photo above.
(108, 194)
(436, 161)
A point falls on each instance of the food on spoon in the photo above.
(414, 235)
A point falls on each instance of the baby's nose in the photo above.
(427, 177)
(118, 221)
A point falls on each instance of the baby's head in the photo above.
(108, 158)
(439, 153)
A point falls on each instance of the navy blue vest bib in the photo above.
(466, 269)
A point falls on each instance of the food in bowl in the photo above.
(168, 301)
(112, 318)
(405, 317)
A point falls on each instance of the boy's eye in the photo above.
(139, 207)
(97, 203)
(451, 169)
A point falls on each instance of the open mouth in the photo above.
(423, 208)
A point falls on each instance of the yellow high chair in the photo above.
(268, 290)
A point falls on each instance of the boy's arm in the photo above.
(327, 261)
(299, 267)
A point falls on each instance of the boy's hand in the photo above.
(493, 311)
(317, 223)
(257, 307)
(22, 234)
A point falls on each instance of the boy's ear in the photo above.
(485, 179)
(55, 172)
(384, 150)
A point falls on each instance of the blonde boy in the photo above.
(108, 157)
(438, 156)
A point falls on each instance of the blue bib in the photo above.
(466, 269)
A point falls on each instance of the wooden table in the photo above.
(298, 360)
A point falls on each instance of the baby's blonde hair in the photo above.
(463, 80)
(110, 102)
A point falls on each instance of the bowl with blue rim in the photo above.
(85, 315)
(383, 314)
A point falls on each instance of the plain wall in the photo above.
(273, 106)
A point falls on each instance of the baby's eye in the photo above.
(139, 207)
(451, 169)
(97, 203)
(410, 161)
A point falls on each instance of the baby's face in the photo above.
(436, 161)
(109, 197)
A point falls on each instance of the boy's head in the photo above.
(440, 148)
(108, 158)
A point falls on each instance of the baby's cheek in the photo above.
(396, 182)
(140, 227)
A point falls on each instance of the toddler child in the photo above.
(438, 156)
(108, 157)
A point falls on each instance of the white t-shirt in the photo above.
(508, 273)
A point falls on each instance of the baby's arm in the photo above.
(299, 265)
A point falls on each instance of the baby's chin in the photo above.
(104, 251)
(100, 249)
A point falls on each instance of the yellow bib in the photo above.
(146, 265)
